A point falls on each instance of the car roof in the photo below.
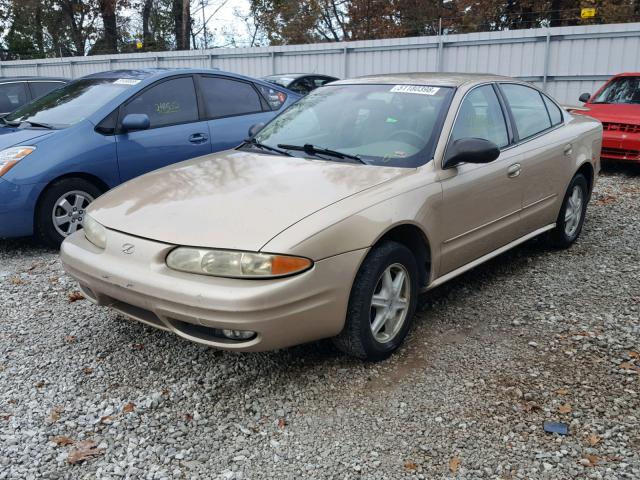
(295, 76)
(425, 78)
(26, 78)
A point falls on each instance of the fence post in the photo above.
(439, 66)
(71, 75)
(273, 62)
(547, 49)
(345, 64)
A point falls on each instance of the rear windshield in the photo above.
(620, 90)
(72, 103)
(394, 125)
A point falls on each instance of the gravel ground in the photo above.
(532, 336)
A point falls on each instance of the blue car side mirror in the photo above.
(135, 121)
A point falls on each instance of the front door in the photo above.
(176, 132)
(481, 202)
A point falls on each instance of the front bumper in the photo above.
(617, 145)
(282, 312)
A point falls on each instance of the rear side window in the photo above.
(224, 97)
(321, 81)
(39, 89)
(12, 96)
(554, 111)
(166, 103)
(275, 98)
(480, 116)
(527, 107)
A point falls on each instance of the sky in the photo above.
(225, 20)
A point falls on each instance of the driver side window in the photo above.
(480, 116)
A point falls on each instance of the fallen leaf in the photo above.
(5, 417)
(107, 419)
(529, 407)
(454, 463)
(593, 460)
(635, 355)
(61, 440)
(282, 423)
(70, 339)
(410, 466)
(628, 366)
(87, 370)
(137, 346)
(565, 408)
(83, 451)
(188, 417)
(75, 296)
(17, 281)
(593, 439)
(129, 407)
(562, 391)
(40, 384)
(55, 413)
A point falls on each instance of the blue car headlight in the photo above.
(9, 157)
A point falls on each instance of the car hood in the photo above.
(614, 113)
(10, 136)
(235, 200)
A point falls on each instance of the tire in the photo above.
(567, 229)
(79, 193)
(358, 338)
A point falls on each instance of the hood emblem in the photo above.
(128, 248)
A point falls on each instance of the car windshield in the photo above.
(393, 125)
(72, 103)
(620, 90)
(283, 81)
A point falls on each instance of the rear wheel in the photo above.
(571, 217)
(382, 303)
(62, 207)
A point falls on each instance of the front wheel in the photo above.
(571, 217)
(382, 303)
(62, 207)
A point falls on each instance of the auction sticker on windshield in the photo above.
(417, 89)
(126, 81)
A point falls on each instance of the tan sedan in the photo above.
(333, 218)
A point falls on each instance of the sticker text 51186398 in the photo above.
(417, 89)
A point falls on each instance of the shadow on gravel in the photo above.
(23, 245)
(630, 169)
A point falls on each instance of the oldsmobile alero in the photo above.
(330, 220)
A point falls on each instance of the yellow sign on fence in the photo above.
(587, 13)
(139, 45)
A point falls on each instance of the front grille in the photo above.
(621, 153)
(620, 127)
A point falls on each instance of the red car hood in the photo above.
(615, 113)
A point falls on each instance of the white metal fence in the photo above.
(565, 61)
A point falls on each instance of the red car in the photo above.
(617, 106)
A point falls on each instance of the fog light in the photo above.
(238, 334)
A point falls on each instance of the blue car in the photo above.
(61, 151)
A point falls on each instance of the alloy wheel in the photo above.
(390, 303)
(69, 210)
(573, 212)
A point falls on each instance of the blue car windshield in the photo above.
(70, 104)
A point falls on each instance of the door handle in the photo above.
(514, 170)
(568, 149)
(198, 138)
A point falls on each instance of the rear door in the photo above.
(546, 153)
(231, 107)
(176, 132)
(481, 202)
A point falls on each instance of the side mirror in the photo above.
(584, 98)
(135, 121)
(470, 150)
(255, 128)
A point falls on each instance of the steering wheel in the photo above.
(410, 137)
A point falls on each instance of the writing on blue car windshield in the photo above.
(392, 125)
(70, 104)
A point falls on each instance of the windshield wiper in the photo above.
(39, 125)
(313, 150)
(254, 143)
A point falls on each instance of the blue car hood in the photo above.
(10, 137)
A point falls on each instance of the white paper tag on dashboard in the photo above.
(417, 89)
(126, 81)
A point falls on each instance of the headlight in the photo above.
(229, 263)
(10, 156)
(94, 232)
